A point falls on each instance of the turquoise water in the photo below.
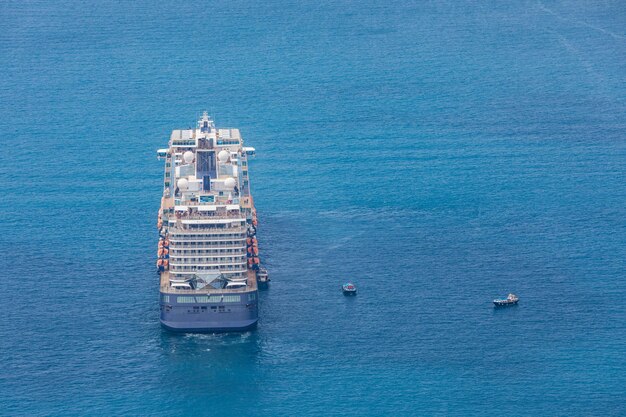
(439, 154)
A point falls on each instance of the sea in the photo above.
(439, 154)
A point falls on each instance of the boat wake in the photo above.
(580, 22)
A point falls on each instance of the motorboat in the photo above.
(262, 275)
(348, 288)
(512, 299)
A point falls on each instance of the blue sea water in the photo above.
(439, 154)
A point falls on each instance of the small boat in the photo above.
(512, 299)
(262, 275)
(348, 289)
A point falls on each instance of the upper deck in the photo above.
(206, 173)
(206, 166)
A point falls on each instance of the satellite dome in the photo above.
(183, 184)
(230, 183)
(188, 157)
(223, 156)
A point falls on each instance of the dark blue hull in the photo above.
(202, 313)
(505, 303)
(212, 328)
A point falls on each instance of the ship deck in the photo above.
(165, 286)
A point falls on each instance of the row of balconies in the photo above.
(207, 243)
(206, 230)
(199, 258)
(209, 252)
(207, 236)
(208, 267)
(209, 261)
(230, 274)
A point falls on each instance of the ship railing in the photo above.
(205, 249)
(180, 241)
(178, 266)
(194, 272)
(202, 216)
(227, 234)
(220, 201)
(199, 245)
(192, 268)
(209, 231)
(203, 291)
(205, 262)
(218, 257)
(207, 252)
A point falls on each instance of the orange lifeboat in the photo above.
(256, 251)
(160, 262)
(249, 262)
(255, 260)
(160, 252)
(166, 263)
(160, 243)
(166, 242)
(165, 251)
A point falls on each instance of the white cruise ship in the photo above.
(208, 257)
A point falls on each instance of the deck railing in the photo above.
(227, 230)
(206, 262)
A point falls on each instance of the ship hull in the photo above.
(191, 314)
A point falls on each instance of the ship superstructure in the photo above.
(208, 256)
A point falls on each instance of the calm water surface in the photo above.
(439, 154)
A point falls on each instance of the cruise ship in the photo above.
(207, 255)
